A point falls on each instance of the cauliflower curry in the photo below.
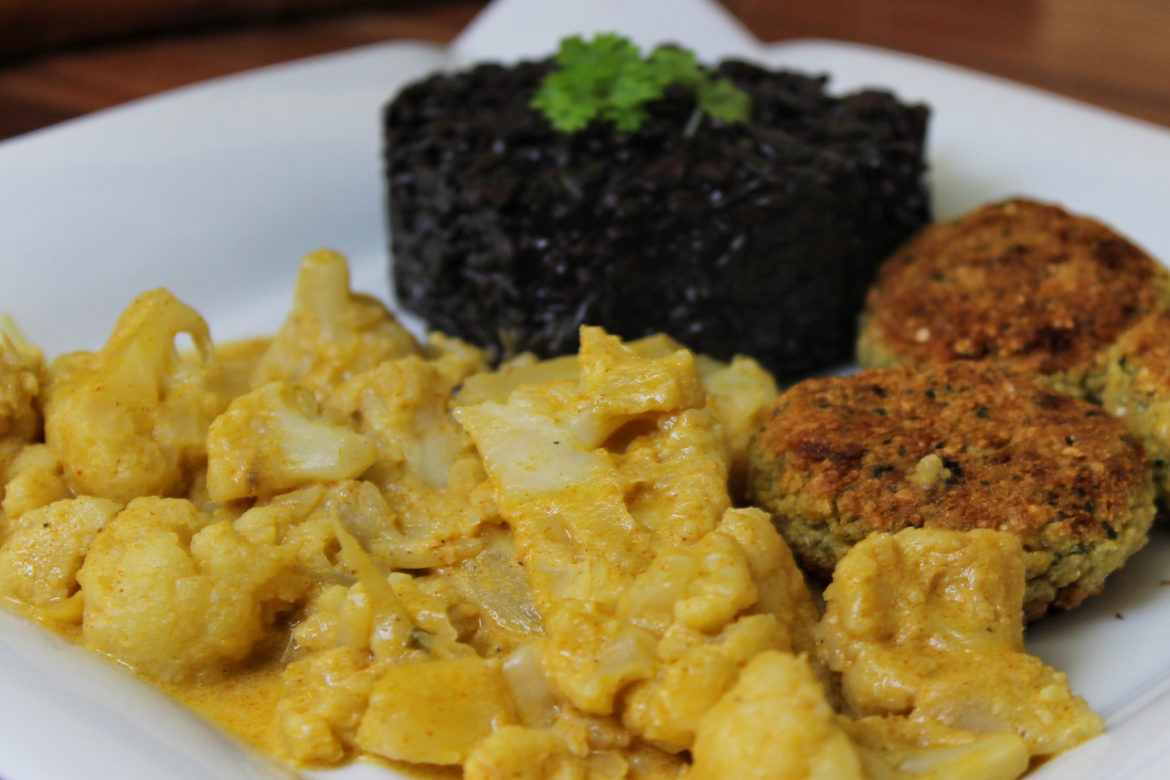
(342, 543)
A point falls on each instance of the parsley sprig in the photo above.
(607, 78)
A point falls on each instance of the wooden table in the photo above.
(1113, 53)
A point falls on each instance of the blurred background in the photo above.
(64, 58)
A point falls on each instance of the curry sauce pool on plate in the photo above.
(541, 575)
(1020, 282)
(959, 445)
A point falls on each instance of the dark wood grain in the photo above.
(61, 84)
(1108, 52)
(1112, 53)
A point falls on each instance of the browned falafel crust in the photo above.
(958, 445)
(1020, 281)
(1133, 382)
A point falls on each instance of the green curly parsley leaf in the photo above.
(676, 66)
(605, 78)
(724, 101)
(717, 97)
(608, 79)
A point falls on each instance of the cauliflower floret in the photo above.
(363, 512)
(274, 439)
(774, 723)
(404, 406)
(370, 647)
(564, 502)
(34, 480)
(582, 745)
(694, 670)
(20, 368)
(540, 705)
(928, 624)
(740, 392)
(20, 386)
(618, 385)
(175, 593)
(39, 563)
(455, 359)
(594, 476)
(326, 692)
(563, 493)
(779, 582)
(678, 477)
(331, 334)
(427, 467)
(243, 355)
(131, 419)
(324, 698)
(393, 619)
(522, 370)
(702, 587)
(735, 593)
(607, 386)
(353, 636)
(591, 656)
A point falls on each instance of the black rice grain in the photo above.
(758, 238)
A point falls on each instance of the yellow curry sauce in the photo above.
(342, 543)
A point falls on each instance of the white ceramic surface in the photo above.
(216, 190)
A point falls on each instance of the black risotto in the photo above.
(758, 238)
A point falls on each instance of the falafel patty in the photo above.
(1133, 383)
(1022, 282)
(958, 445)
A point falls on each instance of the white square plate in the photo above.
(216, 191)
